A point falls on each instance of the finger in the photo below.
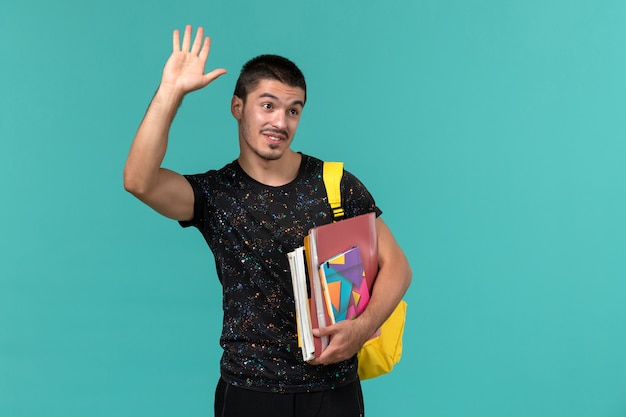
(324, 331)
(314, 362)
(187, 38)
(318, 360)
(206, 47)
(197, 42)
(176, 41)
(325, 358)
(211, 76)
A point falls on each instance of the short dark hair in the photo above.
(273, 67)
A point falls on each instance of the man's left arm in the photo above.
(392, 281)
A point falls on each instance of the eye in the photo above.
(294, 112)
(267, 106)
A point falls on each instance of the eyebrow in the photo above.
(272, 96)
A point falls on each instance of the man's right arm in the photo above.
(165, 191)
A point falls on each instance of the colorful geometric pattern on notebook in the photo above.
(346, 284)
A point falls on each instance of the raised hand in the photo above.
(184, 70)
(166, 191)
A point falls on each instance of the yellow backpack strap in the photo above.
(332, 173)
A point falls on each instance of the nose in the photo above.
(278, 121)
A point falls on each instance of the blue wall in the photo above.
(490, 132)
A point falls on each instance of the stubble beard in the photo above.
(269, 155)
(267, 152)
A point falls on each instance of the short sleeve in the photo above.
(356, 198)
(200, 211)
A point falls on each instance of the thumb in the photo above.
(213, 75)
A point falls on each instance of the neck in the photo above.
(274, 173)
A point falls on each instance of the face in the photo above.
(268, 119)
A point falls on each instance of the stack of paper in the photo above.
(297, 263)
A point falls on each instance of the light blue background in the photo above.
(490, 132)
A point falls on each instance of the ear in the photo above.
(236, 107)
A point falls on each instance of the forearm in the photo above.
(150, 142)
(393, 279)
(391, 284)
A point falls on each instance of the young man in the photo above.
(252, 212)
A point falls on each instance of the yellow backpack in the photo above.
(379, 354)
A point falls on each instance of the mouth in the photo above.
(274, 136)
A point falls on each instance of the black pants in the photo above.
(233, 401)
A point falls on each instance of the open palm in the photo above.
(184, 69)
